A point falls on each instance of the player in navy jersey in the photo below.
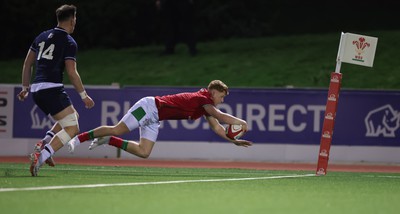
(147, 113)
(52, 52)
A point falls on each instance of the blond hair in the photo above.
(219, 86)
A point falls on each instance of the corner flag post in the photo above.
(354, 49)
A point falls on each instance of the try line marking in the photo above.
(147, 183)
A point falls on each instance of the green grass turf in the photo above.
(299, 61)
(338, 192)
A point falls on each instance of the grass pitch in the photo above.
(93, 189)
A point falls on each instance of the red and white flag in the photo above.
(357, 49)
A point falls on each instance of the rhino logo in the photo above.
(39, 120)
(382, 121)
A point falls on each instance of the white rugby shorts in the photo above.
(143, 114)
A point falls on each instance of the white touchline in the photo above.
(147, 183)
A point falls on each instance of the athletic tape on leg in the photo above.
(63, 136)
(69, 120)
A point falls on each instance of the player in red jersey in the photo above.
(147, 113)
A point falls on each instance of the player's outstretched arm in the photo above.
(220, 130)
(224, 117)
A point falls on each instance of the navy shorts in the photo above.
(52, 100)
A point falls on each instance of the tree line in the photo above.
(130, 23)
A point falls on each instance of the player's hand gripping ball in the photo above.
(234, 132)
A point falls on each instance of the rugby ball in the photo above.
(234, 132)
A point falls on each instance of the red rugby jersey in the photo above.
(183, 105)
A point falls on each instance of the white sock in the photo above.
(76, 141)
(45, 153)
(48, 137)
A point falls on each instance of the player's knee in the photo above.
(69, 120)
(144, 155)
(146, 146)
(63, 136)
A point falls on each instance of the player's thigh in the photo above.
(149, 132)
(67, 111)
(52, 101)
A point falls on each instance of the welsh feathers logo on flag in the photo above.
(361, 44)
(357, 49)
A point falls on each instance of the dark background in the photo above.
(129, 23)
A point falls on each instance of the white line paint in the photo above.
(148, 183)
(381, 176)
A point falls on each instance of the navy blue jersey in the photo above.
(52, 48)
